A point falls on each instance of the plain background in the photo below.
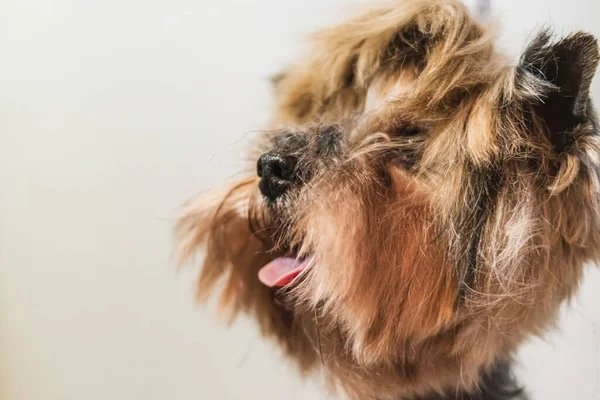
(112, 113)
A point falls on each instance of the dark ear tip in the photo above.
(583, 38)
(585, 44)
(577, 54)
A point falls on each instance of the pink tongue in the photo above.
(281, 271)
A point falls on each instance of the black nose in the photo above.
(276, 172)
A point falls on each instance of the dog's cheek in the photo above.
(379, 271)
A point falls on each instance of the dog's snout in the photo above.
(277, 166)
(276, 172)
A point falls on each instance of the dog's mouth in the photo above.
(282, 271)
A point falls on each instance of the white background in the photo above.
(114, 112)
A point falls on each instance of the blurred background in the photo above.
(112, 113)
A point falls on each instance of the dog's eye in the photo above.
(409, 139)
(407, 131)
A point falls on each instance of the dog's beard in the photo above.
(231, 225)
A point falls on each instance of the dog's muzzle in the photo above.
(280, 169)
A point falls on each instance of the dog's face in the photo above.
(419, 206)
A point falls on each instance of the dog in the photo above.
(417, 207)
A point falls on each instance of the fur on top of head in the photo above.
(442, 203)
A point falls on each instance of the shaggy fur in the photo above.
(447, 202)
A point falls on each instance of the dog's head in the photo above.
(418, 207)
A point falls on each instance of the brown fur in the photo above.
(435, 253)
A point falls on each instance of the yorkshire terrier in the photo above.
(418, 207)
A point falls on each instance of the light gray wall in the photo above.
(111, 114)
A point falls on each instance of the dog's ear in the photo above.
(563, 71)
